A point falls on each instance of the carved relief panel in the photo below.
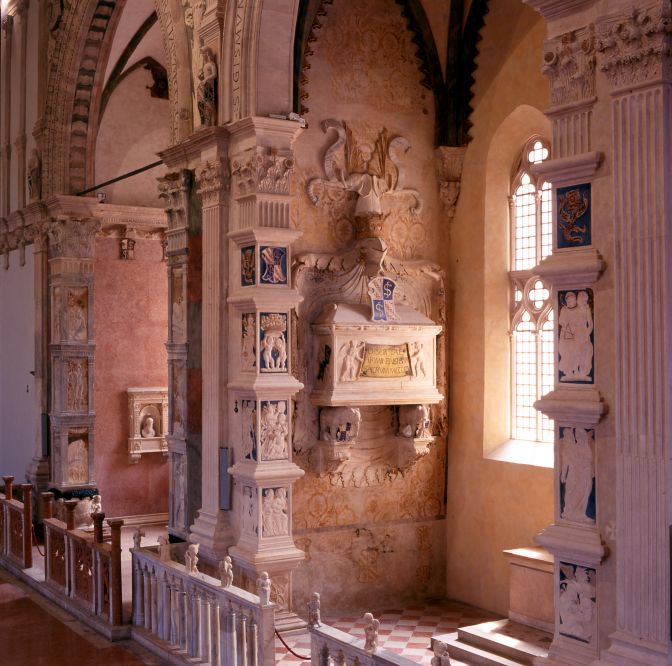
(577, 602)
(70, 315)
(576, 336)
(577, 475)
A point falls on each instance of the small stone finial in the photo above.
(137, 537)
(314, 619)
(191, 559)
(264, 588)
(226, 572)
(441, 657)
(96, 505)
(371, 626)
(164, 548)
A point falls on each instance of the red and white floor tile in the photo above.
(404, 632)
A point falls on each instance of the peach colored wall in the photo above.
(491, 505)
(130, 326)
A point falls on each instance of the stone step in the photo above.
(508, 638)
(463, 653)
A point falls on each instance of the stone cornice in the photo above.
(207, 141)
(569, 170)
(553, 9)
(256, 131)
(573, 406)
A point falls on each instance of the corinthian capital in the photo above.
(72, 237)
(636, 48)
(212, 179)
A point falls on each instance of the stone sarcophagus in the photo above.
(366, 362)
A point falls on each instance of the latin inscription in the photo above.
(385, 361)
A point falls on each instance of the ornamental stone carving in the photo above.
(275, 520)
(262, 171)
(577, 602)
(569, 62)
(212, 178)
(73, 237)
(577, 474)
(635, 48)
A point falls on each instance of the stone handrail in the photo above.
(83, 569)
(194, 614)
(16, 522)
(330, 646)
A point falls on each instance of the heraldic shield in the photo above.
(381, 292)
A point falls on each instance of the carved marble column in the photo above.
(183, 436)
(212, 528)
(262, 386)
(635, 48)
(20, 141)
(5, 114)
(71, 250)
(575, 404)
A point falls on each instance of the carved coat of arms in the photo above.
(381, 293)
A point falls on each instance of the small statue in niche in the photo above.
(207, 89)
(137, 537)
(264, 588)
(440, 657)
(148, 428)
(34, 176)
(314, 619)
(226, 572)
(191, 559)
(164, 548)
(371, 627)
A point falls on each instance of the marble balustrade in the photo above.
(16, 545)
(194, 616)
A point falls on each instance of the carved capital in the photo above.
(569, 63)
(262, 171)
(72, 237)
(636, 48)
(449, 161)
(212, 179)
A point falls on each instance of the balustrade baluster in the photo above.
(254, 634)
(230, 639)
(174, 612)
(148, 598)
(154, 593)
(192, 623)
(165, 614)
(242, 640)
(138, 594)
(215, 645)
(204, 629)
(184, 608)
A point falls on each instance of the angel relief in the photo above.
(371, 170)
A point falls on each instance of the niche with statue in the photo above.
(148, 422)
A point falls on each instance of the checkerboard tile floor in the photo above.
(405, 632)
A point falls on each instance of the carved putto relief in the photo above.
(274, 430)
(273, 342)
(273, 265)
(574, 223)
(249, 521)
(575, 336)
(352, 356)
(249, 433)
(577, 601)
(78, 385)
(249, 341)
(577, 476)
(275, 520)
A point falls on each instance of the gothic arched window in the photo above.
(532, 340)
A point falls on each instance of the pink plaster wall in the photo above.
(130, 326)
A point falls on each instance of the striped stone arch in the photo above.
(79, 46)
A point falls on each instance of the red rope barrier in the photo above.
(298, 656)
(37, 545)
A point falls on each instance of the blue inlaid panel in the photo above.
(576, 336)
(577, 474)
(248, 266)
(272, 265)
(573, 216)
(273, 342)
(577, 602)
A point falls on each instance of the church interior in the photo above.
(340, 306)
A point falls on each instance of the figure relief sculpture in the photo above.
(274, 342)
(264, 588)
(226, 572)
(191, 558)
(249, 422)
(78, 461)
(77, 385)
(577, 601)
(417, 361)
(371, 626)
(352, 354)
(339, 424)
(274, 512)
(76, 326)
(207, 89)
(248, 509)
(314, 619)
(274, 430)
(576, 472)
(575, 326)
(178, 491)
(177, 320)
(248, 342)
(148, 428)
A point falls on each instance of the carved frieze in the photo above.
(569, 62)
(73, 237)
(635, 48)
